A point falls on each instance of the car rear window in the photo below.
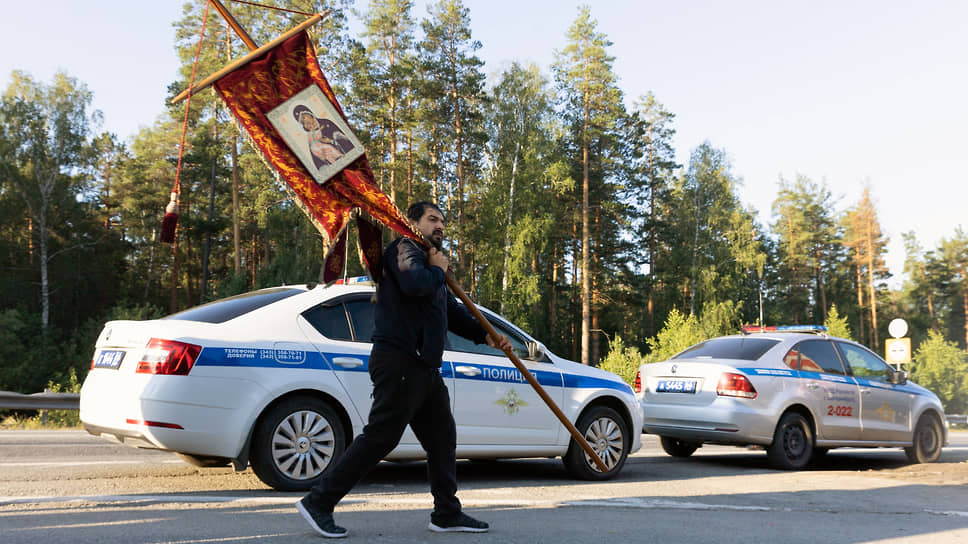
(220, 311)
(746, 348)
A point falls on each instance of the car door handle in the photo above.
(347, 362)
(468, 370)
(812, 386)
(865, 391)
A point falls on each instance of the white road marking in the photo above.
(641, 502)
(89, 463)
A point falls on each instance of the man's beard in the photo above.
(437, 239)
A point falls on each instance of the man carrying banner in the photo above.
(413, 312)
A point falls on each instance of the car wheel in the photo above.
(678, 448)
(606, 432)
(295, 442)
(792, 443)
(928, 439)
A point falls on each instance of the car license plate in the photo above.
(108, 359)
(675, 386)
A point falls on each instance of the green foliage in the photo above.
(680, 332)
(836, 324)
(942, 367)
(622, 360)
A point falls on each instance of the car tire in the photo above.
(296, 442)
(927, 442)
(608, 435)
(678, 448)
(792, 444)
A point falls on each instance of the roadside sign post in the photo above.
(897, 350)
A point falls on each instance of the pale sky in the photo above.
(843, 91)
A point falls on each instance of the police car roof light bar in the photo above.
(784, 328)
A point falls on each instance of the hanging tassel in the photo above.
(170, 221)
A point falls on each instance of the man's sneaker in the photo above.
(321, 521)
(459, 523)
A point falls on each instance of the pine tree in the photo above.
(868, 245)
(454, 97)
(716, 248)
(389, 39)
(652, 160)
(591, 105)
(808, 244)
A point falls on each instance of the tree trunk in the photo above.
(586, 258)
(821, 289)
(236, 221)
(860, 304)
(173, 303)
(650, 326)
(207, 248)
(44, 280)
(459, 148)
(964, 300)
(553, 299)
(870, 283)
(507, 230)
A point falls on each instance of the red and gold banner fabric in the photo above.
(292, 116)
(335, 259)
(371, 246)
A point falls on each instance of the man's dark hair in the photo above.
(417, 210)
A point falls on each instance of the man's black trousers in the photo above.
(405, 390)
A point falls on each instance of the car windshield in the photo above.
(733, 347)
(220, 311)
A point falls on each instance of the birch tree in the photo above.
(46, 132)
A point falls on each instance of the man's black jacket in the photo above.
(413, 307)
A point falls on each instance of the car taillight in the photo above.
(735, 385)
(168, 357)
(638, 382)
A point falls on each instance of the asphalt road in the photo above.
(66, 486)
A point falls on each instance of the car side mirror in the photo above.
(536, 352)
(899, 377)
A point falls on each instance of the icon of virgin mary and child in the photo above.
(327, 143)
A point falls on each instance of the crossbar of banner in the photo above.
(255, 54)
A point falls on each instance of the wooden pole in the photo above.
(207, 82)
(230, 19)
(455, 287)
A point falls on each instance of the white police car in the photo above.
(278, 378)
(794, 390)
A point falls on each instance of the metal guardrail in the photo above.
(39, 401)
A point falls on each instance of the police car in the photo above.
(277, 378)
(793, 390)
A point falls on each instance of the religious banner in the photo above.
(290, 113)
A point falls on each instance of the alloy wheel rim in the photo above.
(303, 444)
(605, 437)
